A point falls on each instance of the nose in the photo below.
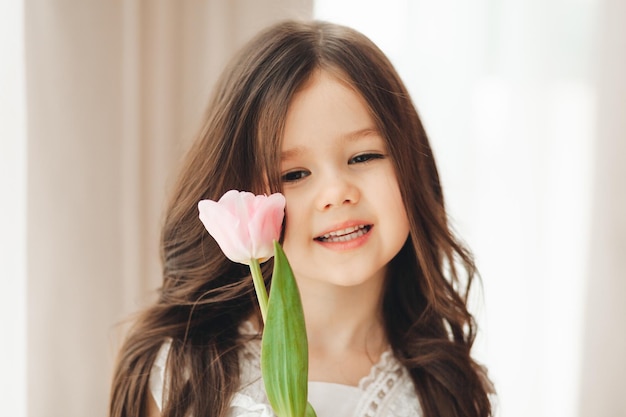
(335, 192)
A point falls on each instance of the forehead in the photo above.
(325, 108)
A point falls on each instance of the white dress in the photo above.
(386, 392)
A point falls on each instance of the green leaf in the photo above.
(310, 412)
(284, 351)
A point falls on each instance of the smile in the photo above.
(345, 235)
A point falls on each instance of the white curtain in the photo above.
(525, 105)
(604, 344)
(115, 91)
(12, 211)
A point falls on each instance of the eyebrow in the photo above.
(348, 137)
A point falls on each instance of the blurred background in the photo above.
(525, 106)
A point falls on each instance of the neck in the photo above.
(344, 319)
(345, 329)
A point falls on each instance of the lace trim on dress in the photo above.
(386, 363)
(387, 391)
(386, 385)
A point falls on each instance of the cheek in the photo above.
(293, 216)
(396, 207)
(400, 218)
(294, 235)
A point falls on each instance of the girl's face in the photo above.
(345, 215)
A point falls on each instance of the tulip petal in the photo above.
(225, 228)
(265, 224)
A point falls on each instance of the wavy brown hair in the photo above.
(205, 297)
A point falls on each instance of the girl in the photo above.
(317, 112)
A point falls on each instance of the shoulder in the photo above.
(251, 385)
(158, 378)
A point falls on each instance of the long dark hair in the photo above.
(205, 297)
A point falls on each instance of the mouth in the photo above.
(345, 235)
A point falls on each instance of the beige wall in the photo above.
(115, 90)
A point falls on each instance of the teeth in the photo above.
(342, 231)
(345, 235)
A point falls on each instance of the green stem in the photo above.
(259, 286)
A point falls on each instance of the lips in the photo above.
(346, 234)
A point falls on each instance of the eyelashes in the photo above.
(365, 157)
(299, 174)
(294, 176)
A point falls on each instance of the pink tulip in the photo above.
(247, 229)
(243, 224)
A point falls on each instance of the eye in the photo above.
(295, 176)
(365, 157)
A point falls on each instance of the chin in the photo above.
(353, 279)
